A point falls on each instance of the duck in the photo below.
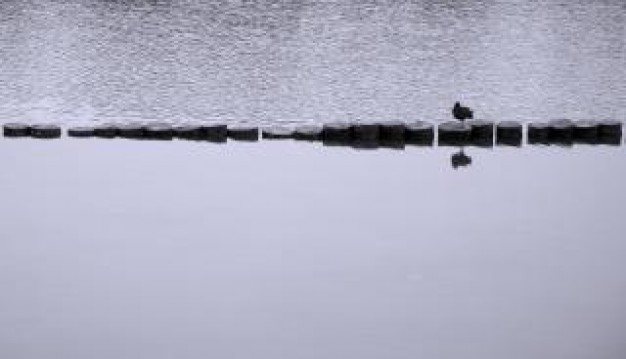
(460, 159)
(461, 112)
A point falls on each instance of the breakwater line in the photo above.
(392, 134)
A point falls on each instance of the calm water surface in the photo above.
(131, 249)
(142, 249)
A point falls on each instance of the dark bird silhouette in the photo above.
(460, 159)
(461, 112)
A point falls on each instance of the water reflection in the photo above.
(147, 249)
(460, 159)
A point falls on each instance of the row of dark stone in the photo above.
(213, 132)
(365, 135)
(563, 132)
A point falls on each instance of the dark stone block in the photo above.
(16, 130)
(509, 141)
(419, 133)
(215, 132)
(366, 132)
(45, 131)
(243, 133)
(392, 135)
(80, 132)
(509, 133)
(308, 133)
(106, 131)
(392, 131)
(481, 133)
(364, 145)
(538, 133)
(159, 132)
(337, 133)
(586, 132)
(610, 128)
(277, 133)
(134, 131)
(609, 140)
(610, 132)
(188, 132)
(454, 133)
(561, 132)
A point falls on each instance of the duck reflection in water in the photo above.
(460, 159)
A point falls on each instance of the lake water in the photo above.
(66, 60)
(179, 249)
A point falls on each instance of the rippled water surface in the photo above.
(133, 249)
(176, 60)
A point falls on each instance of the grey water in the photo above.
(177, 60)
(180, 249)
